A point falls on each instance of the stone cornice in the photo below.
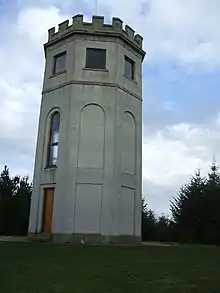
(96, 83)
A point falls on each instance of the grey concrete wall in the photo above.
(98, 176)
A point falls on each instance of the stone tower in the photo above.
(87, 176)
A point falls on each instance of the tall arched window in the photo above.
(53, 139)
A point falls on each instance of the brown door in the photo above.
(48, 209)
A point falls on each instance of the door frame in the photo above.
(41, 205)
(45, 190)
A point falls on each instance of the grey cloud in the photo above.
(158, 196)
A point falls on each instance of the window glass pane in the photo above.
(60, 63)
(95, 58)
(56, 121)
(53, 155)
(55, 137)
(55, 125)
(129, 68)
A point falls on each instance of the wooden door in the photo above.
(48, 209)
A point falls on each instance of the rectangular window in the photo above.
(129, 68)
(95, 58)
(59, 63)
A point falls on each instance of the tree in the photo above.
(163, 229)
(196, 209)
(148, 222)
(211, 207)
(187, 209)
(15, 195)
(8, 186)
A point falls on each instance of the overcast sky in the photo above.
(181, 83)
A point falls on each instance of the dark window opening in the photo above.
(53, 139)
(59, 63)
(129, 68)
(95, 58)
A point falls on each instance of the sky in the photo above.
(181, 88)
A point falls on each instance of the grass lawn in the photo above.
(45, 267)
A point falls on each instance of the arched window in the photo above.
(53, 139)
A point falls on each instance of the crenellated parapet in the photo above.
(97, 26)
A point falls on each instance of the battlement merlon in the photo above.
(97, 27)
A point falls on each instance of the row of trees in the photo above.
(15, 196)
(195, 213)
(195, 210)
(156, 228)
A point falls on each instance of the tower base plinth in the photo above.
(89, 239)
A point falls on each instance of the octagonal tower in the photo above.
(87, 177)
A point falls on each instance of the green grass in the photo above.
(44, 267)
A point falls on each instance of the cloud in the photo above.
(176, 34)
(184, 32)
(22, 62)
(35, 22)
(173, 154)
(174, 30)
(158, 196)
